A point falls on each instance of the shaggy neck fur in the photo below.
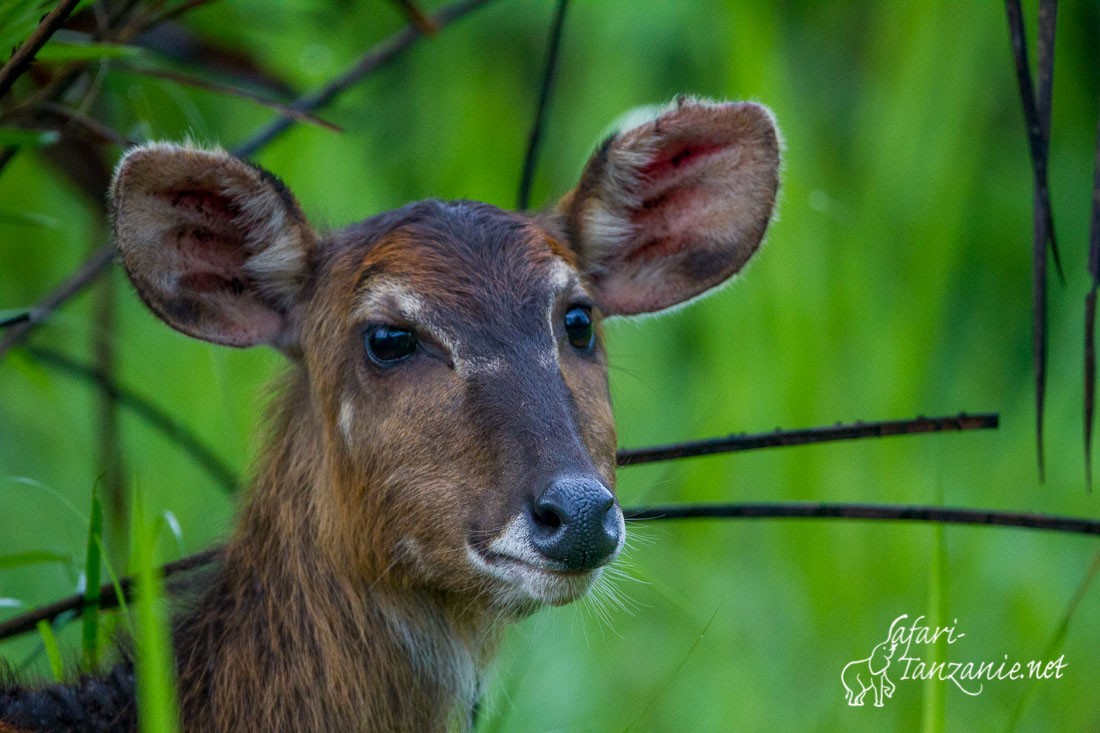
(287, 638)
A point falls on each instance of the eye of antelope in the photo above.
(388, 345)
(578, 327)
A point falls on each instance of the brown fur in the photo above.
(394, 519)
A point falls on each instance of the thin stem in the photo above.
(875, 512)
(147, 411)
(785, 438)
(371, 61)
(530, 160)
(21, 60)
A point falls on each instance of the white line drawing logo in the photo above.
(869, 675)
(907, 643)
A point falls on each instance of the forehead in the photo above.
(459, 256)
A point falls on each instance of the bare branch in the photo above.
(21, 60)
(92, 268)
(781, 510)
(377, 57)
(26, 622)
(147, 411)
(371, 61)
(284, 109)
(879, 512)
(534, 142)
(1037, 117)
(1090, 313)
(784, 438)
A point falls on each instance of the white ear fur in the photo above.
(219, 249)
(676, 204)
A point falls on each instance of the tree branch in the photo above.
(879, 512)
(784, 438)
(371, 61)
(534, 141)
(26, 622)
(147, 411)
(92, 268)
(21, 60)
(781, 510)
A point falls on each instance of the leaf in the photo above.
(63, 52)
(32, 557)
(10, 603)
(53, 651)
(155, 667)
(90, 620)
(18, 19)
(17, 137)
(27, 218)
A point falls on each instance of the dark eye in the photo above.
(578, 327)
(387, 345)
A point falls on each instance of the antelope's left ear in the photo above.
(673, 207)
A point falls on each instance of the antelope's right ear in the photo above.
(217, 248)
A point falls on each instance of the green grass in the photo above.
(896, 282)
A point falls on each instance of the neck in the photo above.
(286, 637)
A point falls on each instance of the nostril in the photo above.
(547, 515)
(575, 521)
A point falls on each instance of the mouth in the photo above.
(523, 580)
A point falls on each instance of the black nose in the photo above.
(576, 522)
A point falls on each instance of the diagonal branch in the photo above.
(98, 263)
(534, 142)
(784, 438)
(371, 61)
(92, 268)
(152, 415)
(26, 622)
(21, 60)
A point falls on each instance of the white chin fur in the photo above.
(523, 574)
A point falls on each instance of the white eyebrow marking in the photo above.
(383, 292)
(561, 275)
(347, 418)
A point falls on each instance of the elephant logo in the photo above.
(869, 675)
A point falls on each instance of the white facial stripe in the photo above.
(347, 418)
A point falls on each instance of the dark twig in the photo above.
(379, 55)
(21, 60)
(374, 59)
(883, 512)
(92, 268)
(145, 410)
(1090, 313)
(108, 599)
(784, 438)
(284, 109)
(530, 160)
(794, 510)
(16, 319)
(1037, 116)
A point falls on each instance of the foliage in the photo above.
(896, 282)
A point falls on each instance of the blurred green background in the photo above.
(895, 282)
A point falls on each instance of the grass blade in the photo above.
(90, 617)
(1057, 639)
(157, 705)
(33, 557)
(53, 651)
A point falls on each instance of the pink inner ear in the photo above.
(676, 158)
